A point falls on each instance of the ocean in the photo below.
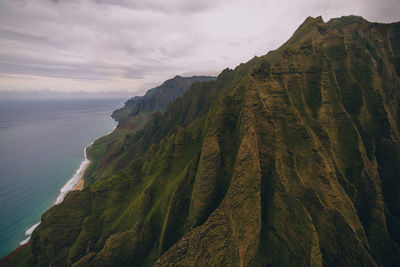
(42, 146)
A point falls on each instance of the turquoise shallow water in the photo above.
(41, 145)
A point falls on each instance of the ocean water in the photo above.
(42, 143)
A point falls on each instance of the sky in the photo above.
(128, 47)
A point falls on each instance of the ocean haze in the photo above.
(42, 142)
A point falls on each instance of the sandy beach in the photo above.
(81, 182)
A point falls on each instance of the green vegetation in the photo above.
(291, 159)
(131, 118)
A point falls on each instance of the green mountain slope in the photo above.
(291, 159)
(131, 118)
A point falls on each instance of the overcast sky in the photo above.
(103, 46)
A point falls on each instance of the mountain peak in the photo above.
(177, 77)
(346, 20)
(310, 19)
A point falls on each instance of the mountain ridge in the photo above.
(158, 97)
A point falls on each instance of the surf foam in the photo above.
(28, 233)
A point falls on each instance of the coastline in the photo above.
(34, 176)
(78, 186)
(76, 182)
(75, 179)
(81, 182)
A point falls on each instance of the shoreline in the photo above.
(72, 183)
(76, 182)
(81, 182)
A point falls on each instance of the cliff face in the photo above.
(291, 159)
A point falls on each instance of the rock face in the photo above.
(292, 159)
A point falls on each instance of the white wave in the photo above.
(23, 242)
(30, 230)
(28, 233)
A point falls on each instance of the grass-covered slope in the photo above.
(131, 118)
(291, 159)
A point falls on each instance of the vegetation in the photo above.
(131, 118)
(291, 159)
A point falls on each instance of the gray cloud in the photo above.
(166, 6)
(131, 45)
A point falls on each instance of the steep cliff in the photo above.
(291, 159)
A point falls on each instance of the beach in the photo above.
(81, 182)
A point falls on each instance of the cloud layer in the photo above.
(120, 45)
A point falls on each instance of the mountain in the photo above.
(131, 118)
(291, 159)
(156, 98)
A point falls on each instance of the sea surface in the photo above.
(42, 142)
